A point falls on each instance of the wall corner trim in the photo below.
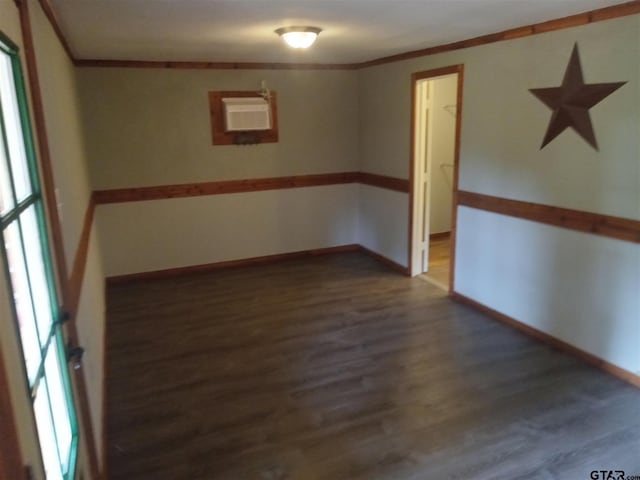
(205, 65)
(48, 10)
(550, 340)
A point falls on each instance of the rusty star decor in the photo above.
(571, 101)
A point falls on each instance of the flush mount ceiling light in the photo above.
(299, 37)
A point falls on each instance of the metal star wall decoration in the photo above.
(571, 102)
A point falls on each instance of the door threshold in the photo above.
(433, 281)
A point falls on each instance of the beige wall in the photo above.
(169, 233)
(577, 287)
(383, 222)
(441, 158)
(503, 130)
(91, 320)
(152, 126)
(66, 145)
(10, 21)
(503, 124)
(62, 117)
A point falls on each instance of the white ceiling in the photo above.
(242, 30)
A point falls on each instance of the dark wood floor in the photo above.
(337, 368)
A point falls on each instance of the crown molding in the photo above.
(48, 10)
(200, 65)
(592, 16)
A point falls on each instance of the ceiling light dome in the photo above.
(299, 37)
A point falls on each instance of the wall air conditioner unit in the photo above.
(246, 114)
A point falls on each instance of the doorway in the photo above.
(436, 114)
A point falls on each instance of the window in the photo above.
(26, 254)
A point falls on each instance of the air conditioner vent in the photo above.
(246, 114)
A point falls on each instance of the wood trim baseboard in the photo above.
(136, 194)
(577, 20)
(48, 10)
(243, 262)
(387, 261)
(182, 65)
(552, 341)
(579, 220)
(383, 181)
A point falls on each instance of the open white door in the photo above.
(434, 165)
(421, 194)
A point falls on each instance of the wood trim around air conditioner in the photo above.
(221, 137)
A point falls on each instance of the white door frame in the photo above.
(416, 181)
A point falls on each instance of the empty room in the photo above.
(319, 240)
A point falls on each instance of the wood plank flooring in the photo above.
(336, 368)
(439, 261)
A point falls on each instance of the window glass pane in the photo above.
(22, 299)
(35, 264)
(13, 130)
(58, 397)
(34, 293)
(6, 195)
(46, 433)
